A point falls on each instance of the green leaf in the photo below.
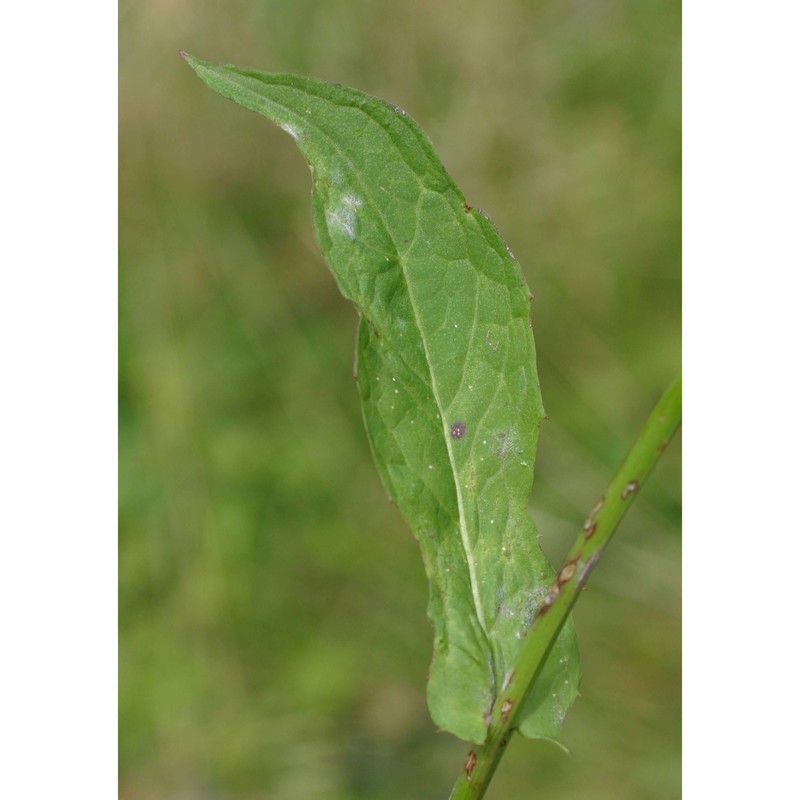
(447, 375)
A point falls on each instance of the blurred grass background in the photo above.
(272, 603)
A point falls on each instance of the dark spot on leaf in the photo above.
(458, 429)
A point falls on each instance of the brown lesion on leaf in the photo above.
(467, 208)
(469, 764)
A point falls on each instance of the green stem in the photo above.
(482, 760)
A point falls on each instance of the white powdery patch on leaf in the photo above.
(290, 129)
(507, 443)
(343, 217)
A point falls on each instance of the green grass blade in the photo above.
(447, 375)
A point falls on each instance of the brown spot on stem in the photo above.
(505, 710)
(595, 511)
(590, 530)
(469, 764)
(630, 488)
(567, 571)
(548, 601)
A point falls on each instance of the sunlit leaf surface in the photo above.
(447, 375)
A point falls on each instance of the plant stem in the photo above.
(482, 760)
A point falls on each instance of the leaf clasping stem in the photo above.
(482, 760)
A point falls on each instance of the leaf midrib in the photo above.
(462, 517)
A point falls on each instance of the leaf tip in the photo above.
(193, 62)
